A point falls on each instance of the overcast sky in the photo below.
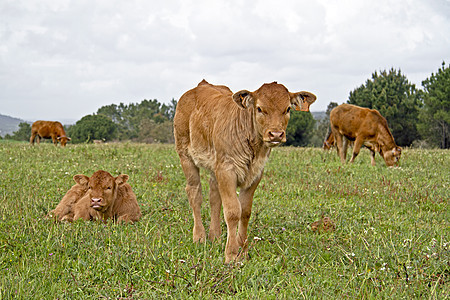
(64, 59)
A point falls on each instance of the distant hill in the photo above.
(8, 124)
(319, 115)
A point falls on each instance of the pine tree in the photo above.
(435, 115)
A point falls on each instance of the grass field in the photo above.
(392, 235)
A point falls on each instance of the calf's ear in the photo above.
(81, 179)
(244, 99)
(121, 179)
(302, 100)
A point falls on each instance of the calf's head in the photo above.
(102, 188)
(391, 157)
(63, 140)
(271, 105)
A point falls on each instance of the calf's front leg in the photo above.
(372, 157)
(356, 147)
(55, 140)
(246, 200)
(227, 183)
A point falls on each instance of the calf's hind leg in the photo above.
(341, 146)
(215, 203)
(194, 193)
(33, 136)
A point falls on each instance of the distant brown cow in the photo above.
(366, 127)
(49, 130)
(231, 135)
(107, 197)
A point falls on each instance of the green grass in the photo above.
(391, 239)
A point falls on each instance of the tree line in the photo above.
(416, 117)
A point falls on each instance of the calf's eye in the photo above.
(288, 110)
(259, 109)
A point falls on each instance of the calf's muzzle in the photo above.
(276, 137)
(96, 203)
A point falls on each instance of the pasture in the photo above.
(392, 235)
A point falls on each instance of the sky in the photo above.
(64, 59)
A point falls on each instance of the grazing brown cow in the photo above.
(365, 127)
(231, 135)
(47, 130)
(107, 197)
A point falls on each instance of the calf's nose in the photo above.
(96, 200)
(276, 136)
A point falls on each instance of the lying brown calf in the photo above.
(105, 197)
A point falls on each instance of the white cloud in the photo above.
(80, 55)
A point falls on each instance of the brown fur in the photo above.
(365, 127)
(230, 135)
(49, 130)
(107, 197)
(64, 210)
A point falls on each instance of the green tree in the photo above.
(118, 115)
(323, 127)
(169, 110)
(151, 131)
(434, 117)
(130, 117)
(300, 129)
(22, 134)
(396, 99)
(93, 127)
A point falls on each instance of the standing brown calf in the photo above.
(47, 130)
(106, 197)
(365, 127)
(231, 135)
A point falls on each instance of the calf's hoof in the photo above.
(214, 235)
(199, 235)
(231, 254)
(230, 258)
